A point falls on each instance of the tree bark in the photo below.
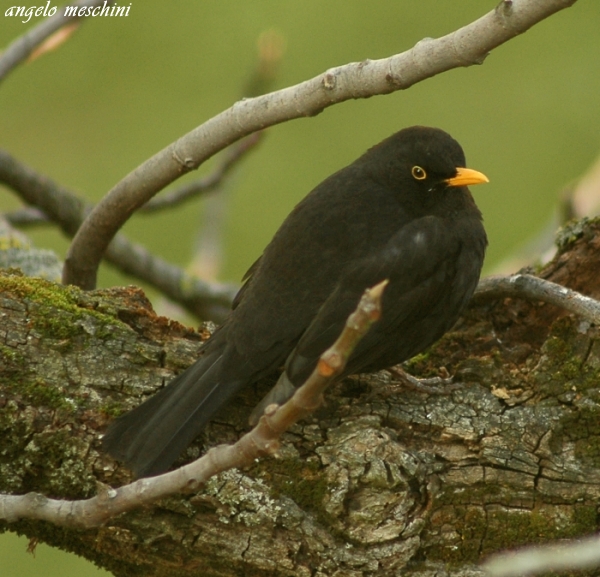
(383, 480)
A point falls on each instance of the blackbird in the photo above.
(403, 212)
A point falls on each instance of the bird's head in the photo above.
(421, 161)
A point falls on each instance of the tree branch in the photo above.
(21, 48)
(32, 216)
(27, 216)
(206, 300)
(537, 289)
(260, 441)
(209, 182)
(464, 47)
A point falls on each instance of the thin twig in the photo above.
(21, 48)
(27, 216)
(207, 258)
(466, 46)
(56, 202)
(537, 289)
(207, 184)
(261, 441)
(31, 216)
(270, 47)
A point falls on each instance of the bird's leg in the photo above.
(279, 394)
(432, 385)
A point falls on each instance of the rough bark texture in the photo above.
(384, 480)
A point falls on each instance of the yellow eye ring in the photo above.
(418, 173)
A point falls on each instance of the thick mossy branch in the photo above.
(262, 440)
(380, 480)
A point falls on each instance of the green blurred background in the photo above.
(123, 88)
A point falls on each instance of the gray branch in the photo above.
(19, 50)
(533, 288)
(207, 184)
(464, 47)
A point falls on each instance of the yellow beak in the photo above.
(466, 176)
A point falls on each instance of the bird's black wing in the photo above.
(424, 297)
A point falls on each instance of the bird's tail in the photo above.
(152, 436)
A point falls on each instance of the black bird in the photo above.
(403, 212)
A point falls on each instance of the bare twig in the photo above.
(22, 48)
(210, 182)
(54, 41)
(207, 300)
(260, 441)
(208, 253)
(534, 288)
(571, 556)
(27, 216)
(464, 47)
(56, 202)
(30, 216)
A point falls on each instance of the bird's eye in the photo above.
(418, 173)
